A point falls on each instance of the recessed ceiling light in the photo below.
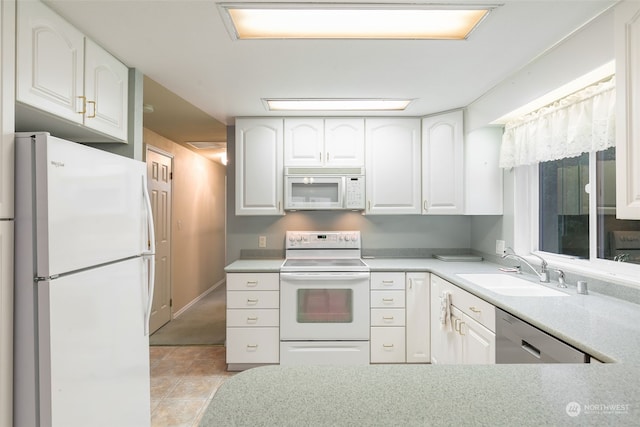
(351, 20)
(337, 104)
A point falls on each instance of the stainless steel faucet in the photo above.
(543, 275)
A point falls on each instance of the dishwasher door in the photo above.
(519, 342)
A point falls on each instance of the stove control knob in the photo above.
(354, 237)
(346, 238)
(299, 238)
(292, 238)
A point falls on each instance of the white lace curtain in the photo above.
(582, 122)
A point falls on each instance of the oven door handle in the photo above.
(331, 277)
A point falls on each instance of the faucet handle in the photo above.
(561, 282)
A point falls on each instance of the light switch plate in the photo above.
(500, 247)
(262, 241)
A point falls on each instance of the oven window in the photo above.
(325, 306)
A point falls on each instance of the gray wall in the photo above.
(378, 231)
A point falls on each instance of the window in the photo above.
(570, 223)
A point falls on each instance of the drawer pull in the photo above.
(387, 317)
(387, 345)
(475, 310)
(388, 282)
(252, 347)
(252, 301)
(252, 319)
(387, 299)
(252, 283)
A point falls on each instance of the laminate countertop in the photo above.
(606, 328)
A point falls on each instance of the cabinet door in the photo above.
(627, 40)
(483, 177)
(50, 62)
(303, 142)
(7, 111)
(418, 317)
(344, 142)
(478, 343)
(445, 341)
(393, 166)
(259, 170)
(442, 163)
(106, 92)
(6, 320)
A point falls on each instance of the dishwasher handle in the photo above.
(532, 350)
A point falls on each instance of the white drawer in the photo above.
(387, 299)
(253, 318)
(253, 299)
(253, 345)
(387, 281)
(253, 281)
(387, 317)
(469, 304)
(388, 345)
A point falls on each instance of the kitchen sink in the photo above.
(504, 284)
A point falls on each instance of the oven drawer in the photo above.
(253, 299)
(387, 280)
(387, 299)
(253, 345)
(253, 281)
(387, 317)
(253, 318)
(388, 345)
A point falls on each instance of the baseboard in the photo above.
(198, 298)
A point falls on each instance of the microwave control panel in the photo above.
(354, 192)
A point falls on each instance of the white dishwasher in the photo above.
(520, 342)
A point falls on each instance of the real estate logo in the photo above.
(573, 409)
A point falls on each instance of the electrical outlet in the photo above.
(500, 247)
(262, 241)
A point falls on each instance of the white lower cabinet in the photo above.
(253, 319)
(467, 336)
(400, 317)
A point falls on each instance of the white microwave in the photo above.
(324, 189)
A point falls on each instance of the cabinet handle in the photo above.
(424, 206)
(461, 326)
(387, 299)
(252, 283)
(279, 204)
(369, 205)
(387, 317)
(252, 347)
(388, 282)
(475, 310)
(456, 324)
(93, 115)
(252, 319)
(252, 301)
(327, 157)
(84, 105)
(387, 345)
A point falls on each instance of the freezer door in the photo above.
(94, 354)
(89, 205)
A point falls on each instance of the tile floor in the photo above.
(183, 381)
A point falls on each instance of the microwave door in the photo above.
(314, 193)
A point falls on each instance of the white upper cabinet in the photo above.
(323, 142)
(7, 118)
(61, 72)
(259, 166)
(483, 180)
(442, 164)
(393, 165)
(627, 24)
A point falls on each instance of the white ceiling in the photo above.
(184, 46)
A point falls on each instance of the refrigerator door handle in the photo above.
(149, 256)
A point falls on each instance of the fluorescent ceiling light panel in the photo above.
(337, 104)
(352, 21)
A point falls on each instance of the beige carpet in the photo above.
(204, 323)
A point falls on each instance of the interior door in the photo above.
(159, 182)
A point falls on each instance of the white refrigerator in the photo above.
(84, 257)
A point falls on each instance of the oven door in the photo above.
(312, 192)
(324, 306)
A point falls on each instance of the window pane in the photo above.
(618, 240)
(564, 206)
